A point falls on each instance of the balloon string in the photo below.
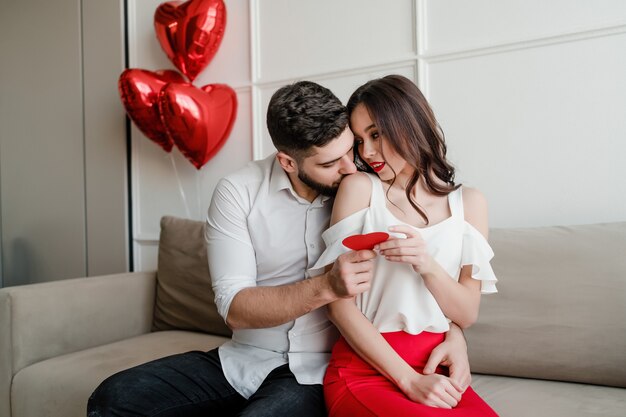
(180, 186)
(198, 194)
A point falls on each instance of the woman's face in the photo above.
(371, 145)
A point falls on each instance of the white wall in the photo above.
(530, 95)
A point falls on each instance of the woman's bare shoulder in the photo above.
(473, 198)
(476, 210)
(354, 194)
(358, 180)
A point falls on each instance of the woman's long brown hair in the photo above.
(404, 117)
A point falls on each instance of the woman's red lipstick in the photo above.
(377, 166)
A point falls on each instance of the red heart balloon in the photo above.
(190, 32)
(198, 120)
(139, 90)
(367, 241)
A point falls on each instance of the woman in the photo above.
(430, 271)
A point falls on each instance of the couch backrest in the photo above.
(561, 308)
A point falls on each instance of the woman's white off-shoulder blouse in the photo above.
(398, 298)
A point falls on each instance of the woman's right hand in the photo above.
(411, 250)
(433, 390)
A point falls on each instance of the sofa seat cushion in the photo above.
(62, 385)
(521, 397)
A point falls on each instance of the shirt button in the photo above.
(312, 245)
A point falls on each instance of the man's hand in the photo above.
(452, 353)
(351, 273)
(433, 390)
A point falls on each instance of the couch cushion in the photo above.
(184, 297)
(62, 385)
(521, 397)
(561, 307)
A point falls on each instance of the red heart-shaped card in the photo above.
(366, 241)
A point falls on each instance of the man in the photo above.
(264, 233)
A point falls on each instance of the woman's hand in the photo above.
(411, 250)
(433, 390)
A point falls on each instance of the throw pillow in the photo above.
(184, 296)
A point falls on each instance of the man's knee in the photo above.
(172, 382)
(287, 399)
(103, 401)
(111, 396)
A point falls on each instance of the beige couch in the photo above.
(551, 343)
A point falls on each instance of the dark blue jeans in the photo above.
(193, 384)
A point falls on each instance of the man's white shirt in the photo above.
(261, 233)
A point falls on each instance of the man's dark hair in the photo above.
(303, 115)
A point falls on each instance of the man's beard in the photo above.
(327, 190)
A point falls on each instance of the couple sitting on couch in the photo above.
(398, 306)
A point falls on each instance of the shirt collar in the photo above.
(279, 179)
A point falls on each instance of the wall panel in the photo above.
(539, 129)
(452, 26)
(146, 254)
(307, 38)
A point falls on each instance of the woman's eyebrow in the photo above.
(373, 125)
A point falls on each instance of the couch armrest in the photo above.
(41, 321)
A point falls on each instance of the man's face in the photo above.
(325, 168)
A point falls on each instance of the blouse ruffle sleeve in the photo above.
(478, 254)
(334, 235)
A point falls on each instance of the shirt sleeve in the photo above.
(334, 235)
(478, 254)
(232, 260)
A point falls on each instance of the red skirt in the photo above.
(354, 388)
